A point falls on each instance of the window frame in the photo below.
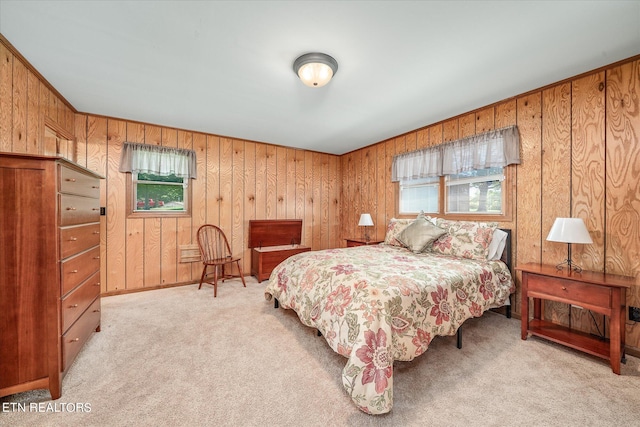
(508, 198)
(132, 203)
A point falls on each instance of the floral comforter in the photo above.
(378, 304)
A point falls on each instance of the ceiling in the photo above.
(226, 67)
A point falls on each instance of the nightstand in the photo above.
(362, 242)
(599, 292)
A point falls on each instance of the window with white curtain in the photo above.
(159, 178)
(472, 173)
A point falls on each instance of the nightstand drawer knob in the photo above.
(564, 288)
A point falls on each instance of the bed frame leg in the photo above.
(276, 304)
(459, 338)
(508, 312)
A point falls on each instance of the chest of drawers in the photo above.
(50, 259)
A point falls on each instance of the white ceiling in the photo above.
(226, 67)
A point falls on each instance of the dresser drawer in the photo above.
(77, 335)
(78, 268)
(78, 209)
(79, 238)
(74, 304)
(569, 291)
(74, 182)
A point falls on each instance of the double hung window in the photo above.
(158, 183)
(468, 177)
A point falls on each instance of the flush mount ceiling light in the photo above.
(315, 69)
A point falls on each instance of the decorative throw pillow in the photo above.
(464, 239)
(394, 228)
(418, 235)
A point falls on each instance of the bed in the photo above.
(380, 303)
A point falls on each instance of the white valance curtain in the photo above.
(497, 148)
(163, 161)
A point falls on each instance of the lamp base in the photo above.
(570, 265)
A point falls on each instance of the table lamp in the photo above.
(569, 230)
(365, 221)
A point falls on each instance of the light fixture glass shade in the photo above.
(315, 69)
(365, 220)
(569, 230)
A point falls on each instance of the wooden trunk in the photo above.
(273, 241)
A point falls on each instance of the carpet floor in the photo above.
(180, 357)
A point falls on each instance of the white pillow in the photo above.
(498, 242)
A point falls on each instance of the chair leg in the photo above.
(204, 271)
(241, 275)
(215, 282)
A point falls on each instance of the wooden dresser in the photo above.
(50, 263)
(272, 241)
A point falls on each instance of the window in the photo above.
(159, 193)
(466, 177)
(481, 193)
(476, 191)
(158, 183)
(420, 195)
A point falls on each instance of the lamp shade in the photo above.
(365, 220)
(569, 230)
(315, 69)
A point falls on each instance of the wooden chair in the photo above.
(216, 252)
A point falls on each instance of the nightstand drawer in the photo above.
(569, 291)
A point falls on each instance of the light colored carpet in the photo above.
(180, 357)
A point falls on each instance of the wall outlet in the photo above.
(634, 314)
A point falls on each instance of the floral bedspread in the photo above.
(378, 304)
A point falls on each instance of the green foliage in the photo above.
(158, 195)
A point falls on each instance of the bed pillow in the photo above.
(465, 239)
(498, 242)
(420, 234)
(394, 228)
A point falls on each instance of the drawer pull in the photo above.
(75, 340)
(96, 284)
(71, 208)
(96, 232)
(564, 288)
(73, 239)
(74, 271)
(95, 209)
(97, 310)
(71, 179)
(96, 257)
(73, 306)
(95, 186)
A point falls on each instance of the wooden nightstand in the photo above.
(599, 292)
(362, 242)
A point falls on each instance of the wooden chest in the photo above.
(272, 241)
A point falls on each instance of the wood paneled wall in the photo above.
(580, 149)
(237, 181)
